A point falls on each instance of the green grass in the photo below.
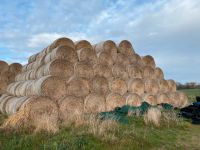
(135, 135)
(192, 93)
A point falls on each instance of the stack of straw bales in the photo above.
(76, 77)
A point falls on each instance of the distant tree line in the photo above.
(189, 85)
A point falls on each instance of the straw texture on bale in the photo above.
(148, 72)
(70, 107)
(34, 65)
(4, 76)
(77, 86)
(151, 86)
(151, 99)
(163, 86)
(87, 54)
(133, 99)
(15, 68)
(50, 86)
(158, 73)
(174, 98)
(135, 59)
(3, 66)
(125, 47)
(136, 85)
(172, 85)
(114, 100)
(118, 85)
(100, 85)
(183, 99)
(119, 71)
(33, 58)
(3, 87)
(108, 47)
(94, 103)
(134, 71)
(83, 69)
(3, 100)
(122, 59)
(62, 52)
(102, 71)
(163, 98)
(105, 58)
(149, 61)
(82, 44)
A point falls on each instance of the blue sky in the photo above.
(169, 30)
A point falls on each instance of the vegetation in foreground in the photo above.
(171, 133)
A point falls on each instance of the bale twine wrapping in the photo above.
(122, 59)
(82, 44)
(87, 54)
(163, 98)
(151, 86)
(136, 85)
(125, 47)
(15, 68)
(119, 71)
(71, 107)
(148, 72)
(133, 99)
(158, 73)
(134, 71)
(102, 71)
(3, 100)
(60, 42)
(60, 68)
(94, 103)
(3, 66)
(172, 85)
(163, 86)
(114, 100)
(105, 58)
(100, 85)
(118, 85)
(149, 61)
(62, 52)
(149, 98)
(83, 69)
(77, 86)
(108, 47)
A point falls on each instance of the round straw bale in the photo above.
(78, 87)
(82, 44)
(15, 68)
(70, 108)
(163, 86)
(83, 69)
(12, 87)
(32, 58)
(125, 47)
(60, 68)
(114, 100)
(3, 87)
(149, 61)
(133, 99)
(119, 71)
(151, 99)
(148, 72)
(61, 42)
(108, 47)
(100, 85)
(134, 71)
(174, 98)
(102, 71)
(172, 85)
(62, 52)
(3, 100)
(151, 86)
(4, 76)
(122, 59)
(3, 66)
(158, 73)
(94, 103)
(14, 103)
(163, 98)
(105, 58)
(118, 85)
(136, 85)
(87, 54)
(135, 59)
(183, 99)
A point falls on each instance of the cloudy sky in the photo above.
(169, 30)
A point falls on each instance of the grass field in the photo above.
(179, 135)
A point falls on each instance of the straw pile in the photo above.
(77, 77)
